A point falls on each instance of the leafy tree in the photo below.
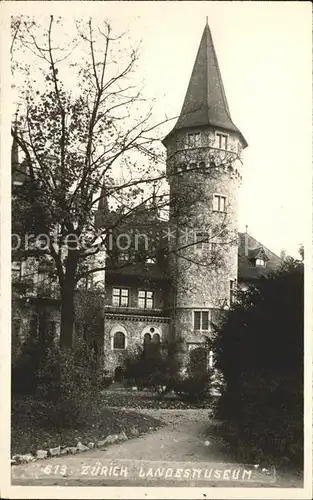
(80, 120)
(259, 349)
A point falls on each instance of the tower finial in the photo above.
(207, 20)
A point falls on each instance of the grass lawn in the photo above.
(146, 400)
(31, 429)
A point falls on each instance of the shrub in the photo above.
(154, 366)
(25, 367)
(70, 380)
(106, 379)
(259, 348)
(194, 388)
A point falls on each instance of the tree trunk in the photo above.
(67, 301)
(67, 316)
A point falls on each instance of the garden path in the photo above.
(187, 436)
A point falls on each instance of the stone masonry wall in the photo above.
(135, 329)
(202, 276)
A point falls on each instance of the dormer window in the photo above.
(151, 260)
(260, 262)
(221, 141)
(193, 140)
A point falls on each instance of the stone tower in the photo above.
(204, 171)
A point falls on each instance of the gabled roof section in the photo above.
(258, 253)
(250, 249)
(205, 102)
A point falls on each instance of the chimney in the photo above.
(246, 236)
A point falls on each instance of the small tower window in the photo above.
(201, 238)
(193, 140)
(219, 203)
(260, 262)
(201, 320)
(221, 141)
(232, 291)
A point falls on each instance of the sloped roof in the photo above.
(248, 250)
(205, 102)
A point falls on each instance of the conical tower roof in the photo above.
(103, 201)
(205, 102)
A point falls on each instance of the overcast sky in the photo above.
(264, 53)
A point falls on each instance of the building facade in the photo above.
(179, 286)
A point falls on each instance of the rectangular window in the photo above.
(201, 320)
(145, 299)
(193, 140)
(219, 203)
(89, 281)
(260, 262)
(221, 141)
(120, 297)
(201, 239)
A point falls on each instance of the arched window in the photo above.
(156, 338)
(119, 340)
(146, 338)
